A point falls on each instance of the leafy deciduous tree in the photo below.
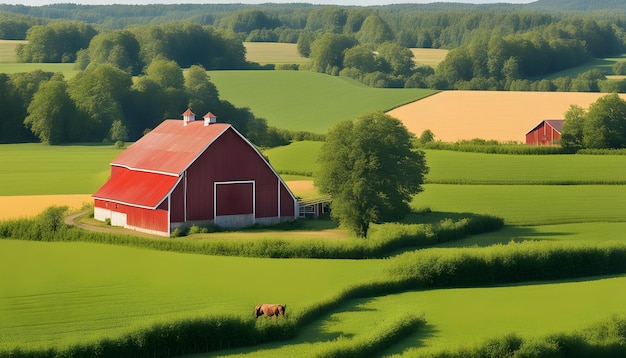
(605, 123)
(572, 131)
(99, 92)
(50, 108)
(327, 52)
(371, 170)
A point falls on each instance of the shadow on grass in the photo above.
(504, 236)
(415, 340)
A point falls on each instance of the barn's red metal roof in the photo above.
(554, 123)
(137, 188)
(171, 147)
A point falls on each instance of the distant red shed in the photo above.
(193, 172)
(548, 132)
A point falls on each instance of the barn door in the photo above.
(118, 219)
(234, 203)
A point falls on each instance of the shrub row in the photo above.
(384, 239)
(514, 262)
(174, 338)
(492, 147)
(528, 182)
(605, 339)
(495, 147)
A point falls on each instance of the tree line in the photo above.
(492, 47)
(104, 104)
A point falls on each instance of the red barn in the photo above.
(193, 172)
(548, 132)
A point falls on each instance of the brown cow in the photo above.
(269, 310)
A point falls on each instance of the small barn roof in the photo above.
(143, 189)
(557, 124)
(171, 147)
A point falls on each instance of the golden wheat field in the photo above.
(13, 207)
(499, 115)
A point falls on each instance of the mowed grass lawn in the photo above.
(61, 293)
(307, 101)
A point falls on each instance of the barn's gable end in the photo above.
(547, 132)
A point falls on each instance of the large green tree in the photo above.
(120, 48)
(327, 52)
(572, 131)
(49, 110)
(371, 169)
(55, 42)
(605, 123)
(202, 93)
(99, 92)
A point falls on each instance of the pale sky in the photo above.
(325, 2)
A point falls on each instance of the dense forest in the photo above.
(494, 47)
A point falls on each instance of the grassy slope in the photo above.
(604, 64)
(76, 290)
(306, 101)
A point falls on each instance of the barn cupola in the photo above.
(188, 116)
(209, 118)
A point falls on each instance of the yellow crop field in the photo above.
(273, 52)
(7, 49)
(281, 53)
(499, 115)
(13, 207)
(428, 56)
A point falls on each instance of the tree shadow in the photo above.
(322, 330)
(505, 235)
(415, 340)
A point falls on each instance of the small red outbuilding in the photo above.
(193, 172)
(548, 132)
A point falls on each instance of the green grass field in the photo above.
(603, 64)
(448, 167)
(37, 169)
(307, 101)
(460, 317)
(62, 293)
(529, 204)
